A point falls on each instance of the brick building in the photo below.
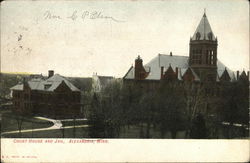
(202, 64)
(200, 68)
(54, 97)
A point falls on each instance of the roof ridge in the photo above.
(173, 55)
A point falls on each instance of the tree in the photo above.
(194, 98)
(198, 130)
(130, 97)
(96, 119)
(170, 104)
(111, 107)
(146, 110)
(234, 106)
(19, 119)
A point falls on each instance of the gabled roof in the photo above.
(34, 84)
(56, 80)
(170, 70)
(130, 73)
(225, 76)
(204, 30)
(162, 60)
(243, 76)
(104, 80)
(181, 62)
(221, 68)
(19, 86)
(52, 83)
(196, 77)
(169, 74)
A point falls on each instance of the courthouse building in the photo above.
(53, 96)
(200, 66)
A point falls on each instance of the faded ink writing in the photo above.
(91, 15)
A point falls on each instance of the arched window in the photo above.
(210, 36)
(196, 56)
(212, 59)
(198, 36)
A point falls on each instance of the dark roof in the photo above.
(52, 83)
(84, 84)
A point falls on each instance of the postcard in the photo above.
(124, 81)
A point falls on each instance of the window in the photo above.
(210, 36)
(46, 86)
(196, 57)
(198, 36)
(210, 57)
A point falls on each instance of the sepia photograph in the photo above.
(97, 71)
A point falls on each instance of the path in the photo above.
(57, 125)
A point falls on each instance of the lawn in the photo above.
(9, 123)
(134, 132)
(77, 122)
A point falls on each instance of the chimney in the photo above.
(51, 73)
(25, 83)
(138, 67)
(171, 54)
(138, 61)
(237, 77)
(162, 71)
(176, 72)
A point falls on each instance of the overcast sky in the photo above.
(72, 39)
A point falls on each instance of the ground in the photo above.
(41, 127)
(9, 123)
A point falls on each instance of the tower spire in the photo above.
(203, 31)
(204, 24)
(203, 51)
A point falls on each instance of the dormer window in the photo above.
(47, 86)
(210, 36)
(198, 36)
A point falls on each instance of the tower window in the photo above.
(210, 36)
(212, 58)
(198, 36)
(196, 57)
(208, 58)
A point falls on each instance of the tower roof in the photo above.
(204, 31)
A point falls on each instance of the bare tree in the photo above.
(19, 119)
(195, 98)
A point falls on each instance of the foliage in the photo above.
(170, 108)
(198, 130)
(234, 103)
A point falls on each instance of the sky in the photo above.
(79, 38)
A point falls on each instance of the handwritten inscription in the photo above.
(49, 15)
(91, 15)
